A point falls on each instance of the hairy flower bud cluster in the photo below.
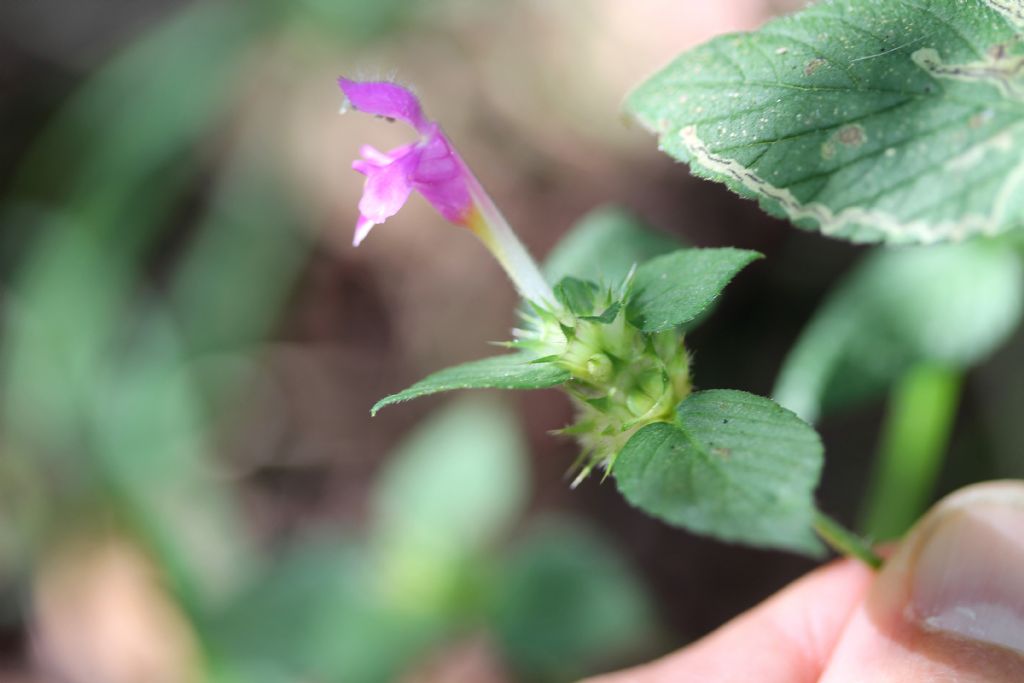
(622, 378)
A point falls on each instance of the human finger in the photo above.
(949, 603)
(787, 639)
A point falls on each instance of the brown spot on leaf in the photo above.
(813, 66)
(981, 118)
(851, 135)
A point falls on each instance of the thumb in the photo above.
(787, 639)
(949, 604)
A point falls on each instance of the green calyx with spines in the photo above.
(617, 351)
(622, 378)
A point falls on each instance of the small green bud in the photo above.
(652, 383)
(648, 391)
(600, 368)
(639, 403)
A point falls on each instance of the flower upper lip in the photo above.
(387, 99)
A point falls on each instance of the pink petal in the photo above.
(438, 161)
(387, 188)
(384, 98)
(373, 158)
(442, 178)
(377, 157)
(363, 226)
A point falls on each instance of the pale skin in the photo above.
(846, 623)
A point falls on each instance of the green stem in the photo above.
(922, 409)
(844, 541)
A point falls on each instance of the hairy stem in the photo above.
(922, 409)
(844, 541)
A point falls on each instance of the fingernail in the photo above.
(968, 578)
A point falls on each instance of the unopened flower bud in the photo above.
(650, 387)
(600, 368)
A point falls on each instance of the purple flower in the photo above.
(432, 167)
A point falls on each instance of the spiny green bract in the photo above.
(622, 378)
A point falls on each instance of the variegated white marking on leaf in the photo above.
(1011, 9)
(1002, 71)
(999, 144)
(1007, 195)
(831, 222)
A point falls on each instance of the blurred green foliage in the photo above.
(952, 305)
(98, 394)
(565, 597)
(432, 570)
(132, 255)
(910, 321)
(452, 487)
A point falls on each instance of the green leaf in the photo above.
(605, 245)
(952, 305)
(607, 317)
(454, 485)
(132, 122)
(321, 613)
(145, 448)
(249, 207)
(579, 296)
(736, 466)
(565, 600)
(873, 121)
(511, 371)
(120, 419)
(674, 289)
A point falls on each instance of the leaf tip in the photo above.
(381, 404)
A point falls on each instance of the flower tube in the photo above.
(433, 168)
